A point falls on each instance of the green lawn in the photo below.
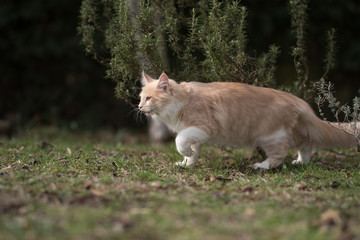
(57, 185)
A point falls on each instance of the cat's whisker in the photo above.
(136, 112)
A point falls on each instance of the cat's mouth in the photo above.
(147, 113)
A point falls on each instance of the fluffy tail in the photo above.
(329, 135)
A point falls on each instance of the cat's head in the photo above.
(156, 95)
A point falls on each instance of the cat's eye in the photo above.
(148, 98)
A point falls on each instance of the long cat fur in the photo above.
(238, 115)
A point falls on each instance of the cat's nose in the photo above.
(140, 107)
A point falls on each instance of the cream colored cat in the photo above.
(238, 115)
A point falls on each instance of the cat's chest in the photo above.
(170, 116)
(173, 123)
(176, 126)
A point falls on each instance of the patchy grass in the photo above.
(55, 185)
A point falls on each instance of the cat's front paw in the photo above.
(263, 165)
(185, 163)
(181, 164)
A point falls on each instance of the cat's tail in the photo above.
(328, 135)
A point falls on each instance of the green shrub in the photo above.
(195, 41)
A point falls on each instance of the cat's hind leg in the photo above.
(304, 154)
(276, 149)
(272, 161)
(188, 143)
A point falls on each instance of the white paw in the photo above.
(298, 162)
(185, 163)
(180, 164)
(262, 165)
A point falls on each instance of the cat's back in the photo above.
(239, 99)
(240, 91)
(214, 87)
(233, 91)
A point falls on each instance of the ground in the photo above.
(60, 185)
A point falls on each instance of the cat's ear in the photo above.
(145, 79)
(163, 84)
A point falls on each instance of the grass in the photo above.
(57, 185)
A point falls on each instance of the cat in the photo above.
(237, 115)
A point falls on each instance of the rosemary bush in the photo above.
(298, 14)
(346, 116)
(197, 41)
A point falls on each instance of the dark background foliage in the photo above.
(45, 76)
(47, 79)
